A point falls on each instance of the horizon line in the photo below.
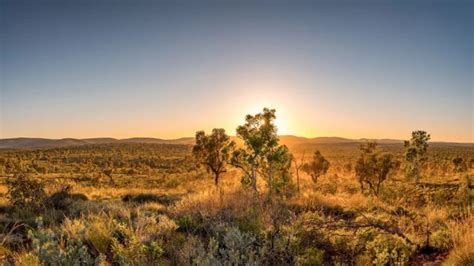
(192, 137)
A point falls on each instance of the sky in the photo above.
(355, 69)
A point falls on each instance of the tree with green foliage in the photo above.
(259, 135)
(276, 168)
(214, 151)
(25, 192)
(373, 168)
(415, 151)
(317, 167)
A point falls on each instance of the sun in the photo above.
(281, 127)
(281, 115)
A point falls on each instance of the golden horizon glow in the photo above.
(293, 118)
(287, 122)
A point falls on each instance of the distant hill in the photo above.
(16, 143)
(289, 140)
(158, 141)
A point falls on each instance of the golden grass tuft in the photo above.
(463, 241)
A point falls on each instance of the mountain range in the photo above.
(14, 143)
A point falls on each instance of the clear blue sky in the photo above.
(376, 69)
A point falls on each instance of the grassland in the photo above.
(152, 204)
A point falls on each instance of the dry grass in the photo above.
(209, 202)
(463, 243)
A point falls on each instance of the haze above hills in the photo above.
(14, 143)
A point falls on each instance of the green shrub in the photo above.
(99, 234)
(25, 192)
(129, 251)
(154, 251)
(441, 239)
(249, 222)
(188, 223)
(234, 248)
(389, 250)
(50, 250)
(128, 248)
(311, 256)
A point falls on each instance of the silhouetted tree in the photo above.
(415, 150)
(214, 151)
(317, 167)
(372, 168)
(259, 135)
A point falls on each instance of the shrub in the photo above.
(129, 249)
(27, 259)
(459, 164)
(25, 192)
(149, 197)
(415, 150)
(63, 199)
(317, 167)
(311, 256)
(249, 221)
(165, 225)
(99, 233)
(329, 188)
(51, 251)
(389, 250)
(467, 191)
(372, 169)
(235, 248)
(441, 240)
(73, 229)
(187, 223)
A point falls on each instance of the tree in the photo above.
(259, 135)
(108, 171)
(276, 168)
(459, 165)
(25, 192)
(298, 166)
(415, 150)
(317, 167)
(214, 151)
(372, 168)
(348, 168)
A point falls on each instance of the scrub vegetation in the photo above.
(249, 200)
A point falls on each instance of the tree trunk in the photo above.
(298, 179)
(254, 179)
(216, 179)
(270, 182)
(361, 186)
